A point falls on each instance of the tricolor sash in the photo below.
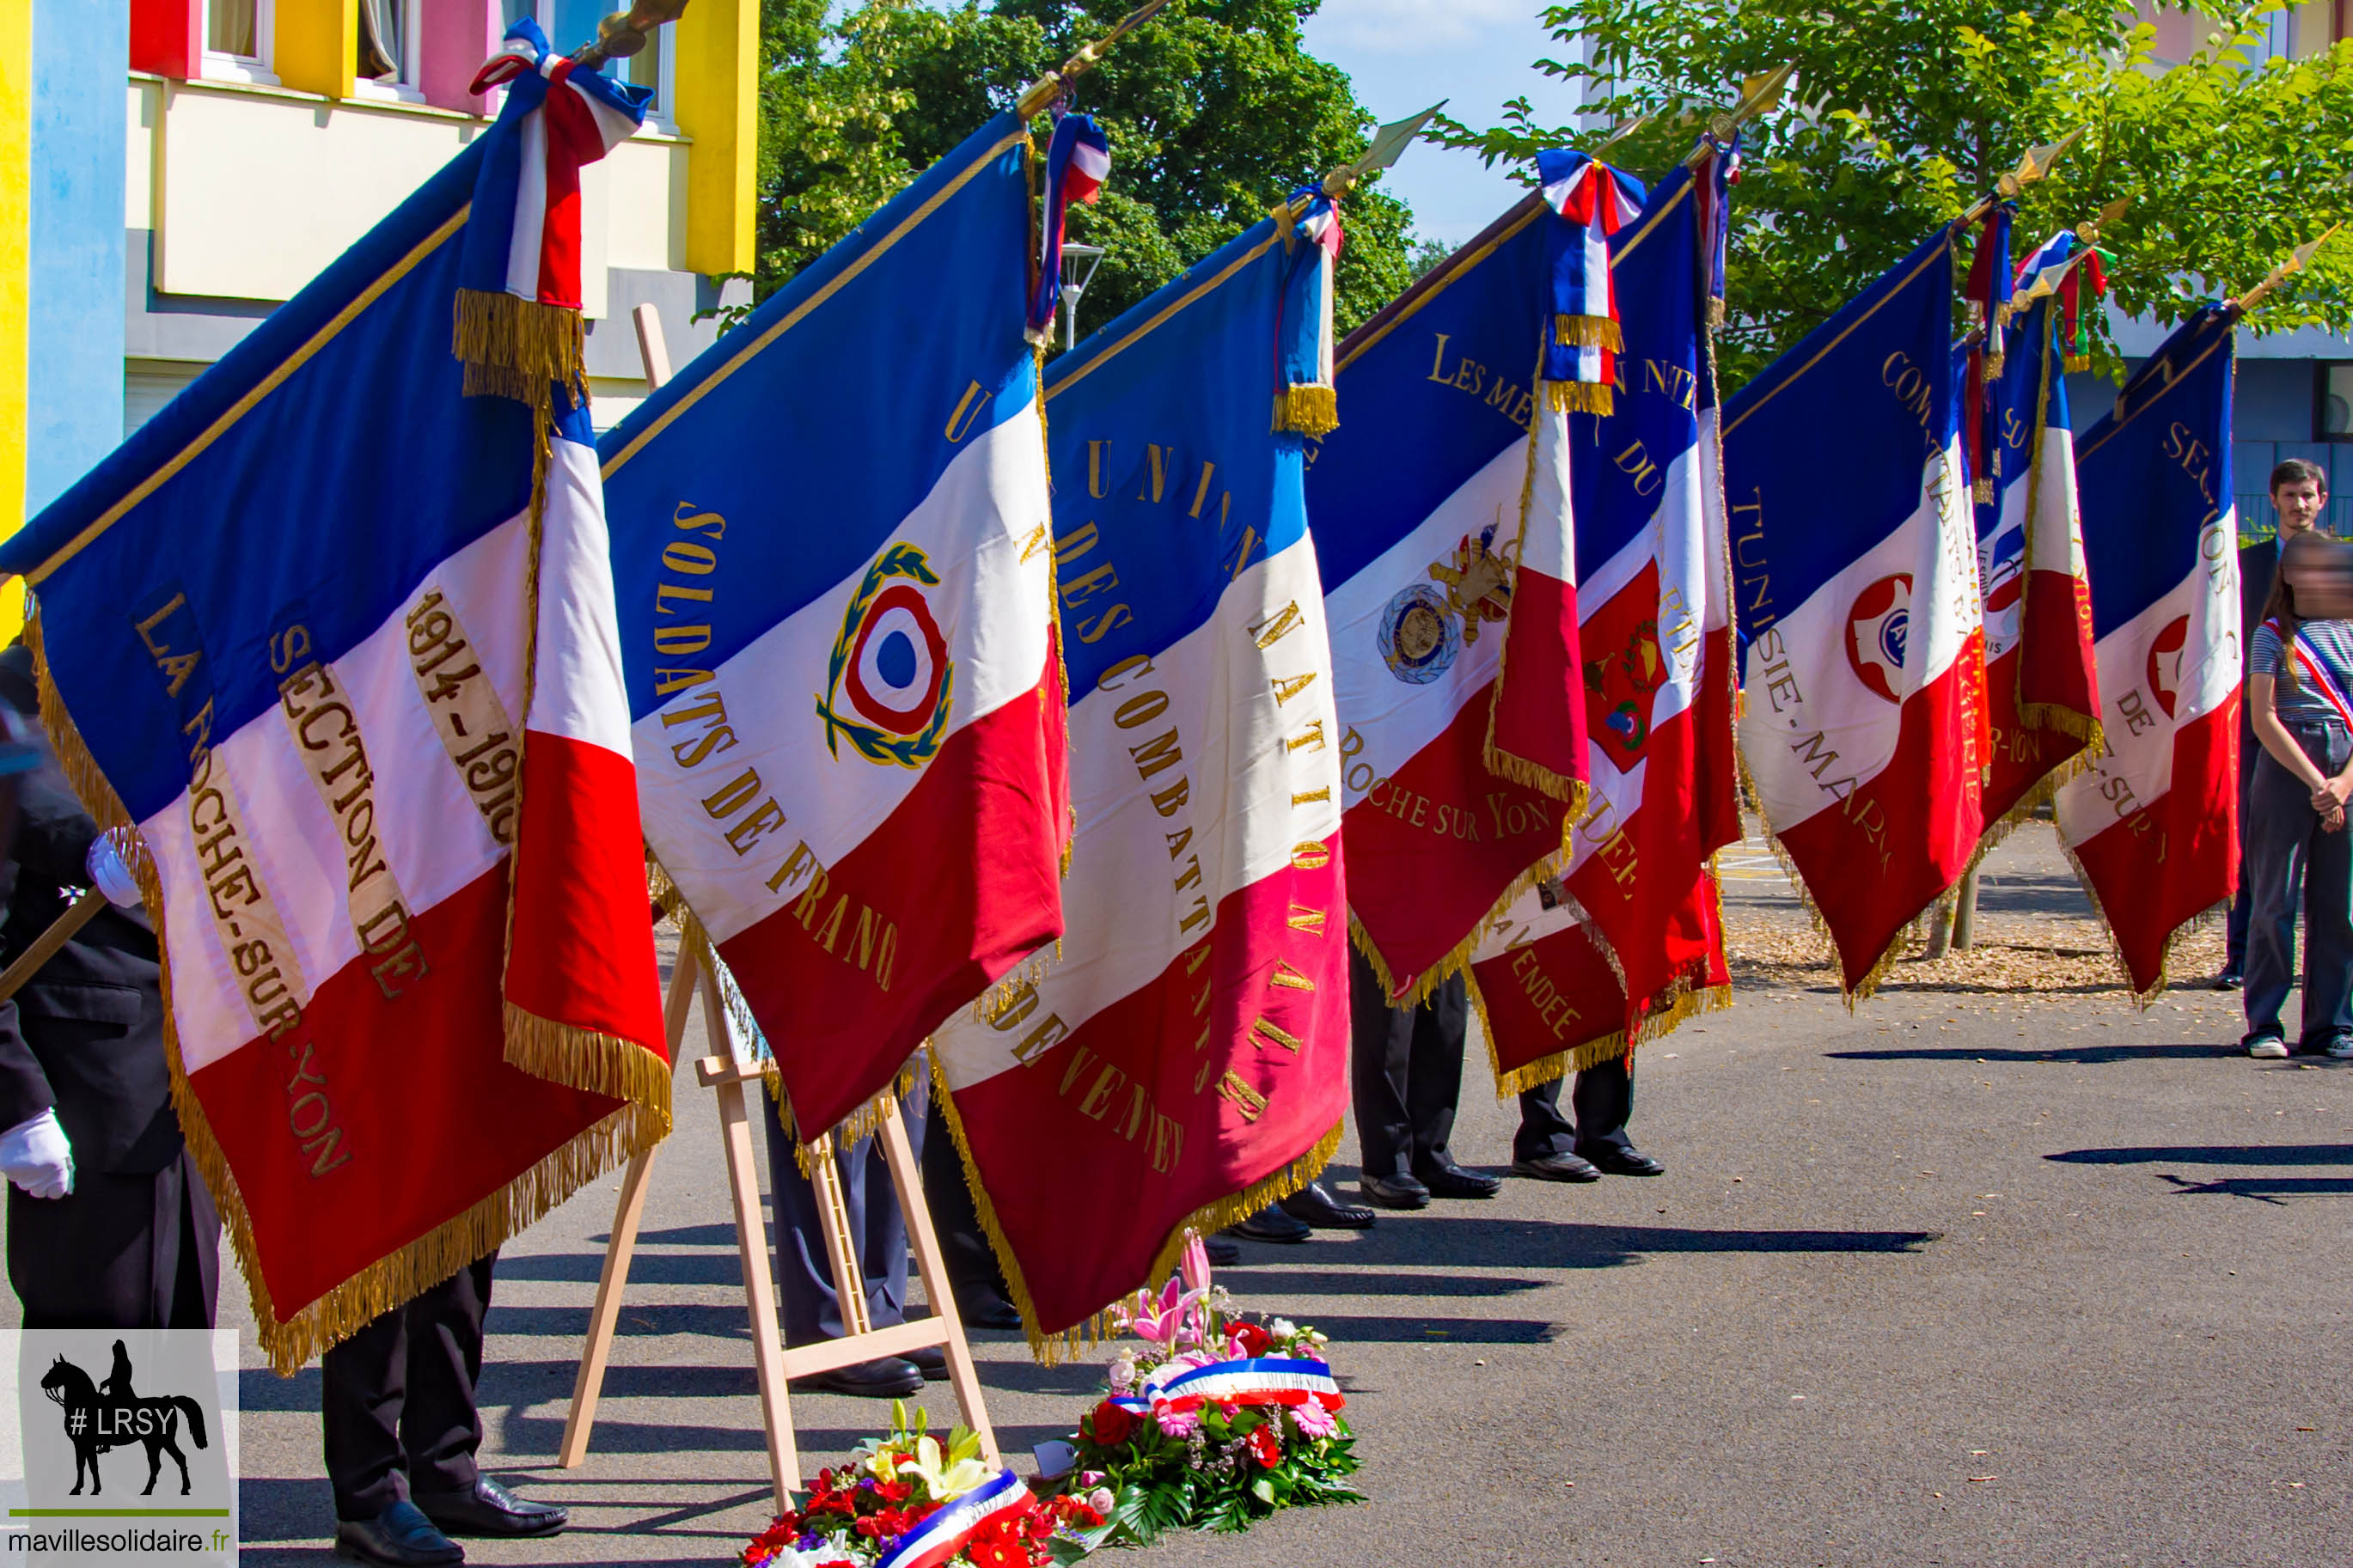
(316, 633)
(1862, 665)
(1253, 1380)
(1182, 1062)
(839, 633)
(2307, 658)
(945, 1533)
(2153, 827)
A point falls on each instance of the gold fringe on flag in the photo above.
(1587, 333)
(345, 1308)
(1309, 409)
(1458, 959)
(1686, 1000)
(1580, 397)
(518, 348)
(1716, 313)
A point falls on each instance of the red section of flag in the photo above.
(1538, 711)
(2176, 858)
(957, 886)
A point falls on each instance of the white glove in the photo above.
(36, 1156)
(110, 876)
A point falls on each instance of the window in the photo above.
(2332, 411)
(237, 40)
(569, 24)
(390, 47)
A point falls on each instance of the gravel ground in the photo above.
(1995, 1270)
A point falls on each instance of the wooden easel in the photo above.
(775, 1364)
(861, 1341)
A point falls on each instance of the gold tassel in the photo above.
(2077, 361)
(1587, 333)
(518, 348)
(1993, 366)
(1308, 409)
(1981, 492)
(1580, 397)
(1714, 313)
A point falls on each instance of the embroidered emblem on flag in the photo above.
(1876, 630)
(891, 663)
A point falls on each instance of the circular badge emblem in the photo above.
(1420, 638)
(1876, 630)
(2165, 662)
(890, 681)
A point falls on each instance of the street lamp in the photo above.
(1079, 264)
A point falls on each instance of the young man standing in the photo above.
(2299, 493)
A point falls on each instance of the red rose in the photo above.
(1263, 1446)
(997, 1554)
(1253, 1339)
(1109, 1424)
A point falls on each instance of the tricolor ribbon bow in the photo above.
(1987, 299)
(518, 317)
(2063, 264)
(1253, 1380)
(1308, 401)
(1078, 162)
(945, 1533)
(1593, 201)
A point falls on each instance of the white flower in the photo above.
(1123, 1373)
(1101, 1500)
(1282, 1329)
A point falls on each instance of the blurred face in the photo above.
(2298, 506)
(2320, 571)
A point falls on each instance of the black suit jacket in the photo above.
(85, 1034)
(2258, 564)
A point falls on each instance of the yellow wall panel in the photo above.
(718, 47)
(316, 45)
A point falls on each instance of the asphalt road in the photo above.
(1978, 1275)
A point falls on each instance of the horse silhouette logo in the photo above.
(112, 1415)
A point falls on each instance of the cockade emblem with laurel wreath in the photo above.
(905, 748)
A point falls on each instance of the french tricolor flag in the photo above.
(839, 633)
(2153, 827)
(2041, 686)
(379, 779)
(1078, 162)
(1855, 568)
(1181, 1061)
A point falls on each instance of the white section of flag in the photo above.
(1241, 778)
(994, 612)
(577, 688)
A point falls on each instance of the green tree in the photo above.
(1906, 110)
(1213, 111)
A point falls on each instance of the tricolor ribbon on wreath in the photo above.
(942, 1534)
(1251, 1380)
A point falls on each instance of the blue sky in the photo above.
(1405, 55)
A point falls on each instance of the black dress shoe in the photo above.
(1220, 1252)
(400, 1536)
(991, 1312)
(1612, 1161)
(1270, 1223)
(1452, 1180)
(885, 1377)
(1393, 1191)
(2230, 980)
(932, 1361)
(489, 1509)
(1557, 1167)
(1314, 1206)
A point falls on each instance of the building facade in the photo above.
(171, 170)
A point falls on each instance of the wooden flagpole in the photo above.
(726, 1075)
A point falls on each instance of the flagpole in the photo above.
(1047, 88)
(2036, 164)
(624, 33)
(2297, 261)
(1758, 95)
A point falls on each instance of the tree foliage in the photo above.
(1214, 113)
(1905, 111)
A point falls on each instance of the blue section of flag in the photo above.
(1438, 384)
(2157, 469)
(246, 507)
(1618, 462)
(1824, 451)
(1160, 441)
(816, 426)
(2015, 401)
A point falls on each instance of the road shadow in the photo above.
(2212, 1155)
(1434, 1240)
(1335, 1282)
(644, 1267)
(2267, 1189)
(2080, 1056)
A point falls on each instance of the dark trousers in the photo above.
(117, 1252)
(2288, 851)
(1604, 1102)
(398, 1397)
(1404, 1071)
(973, 1271)
(804, 1269)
